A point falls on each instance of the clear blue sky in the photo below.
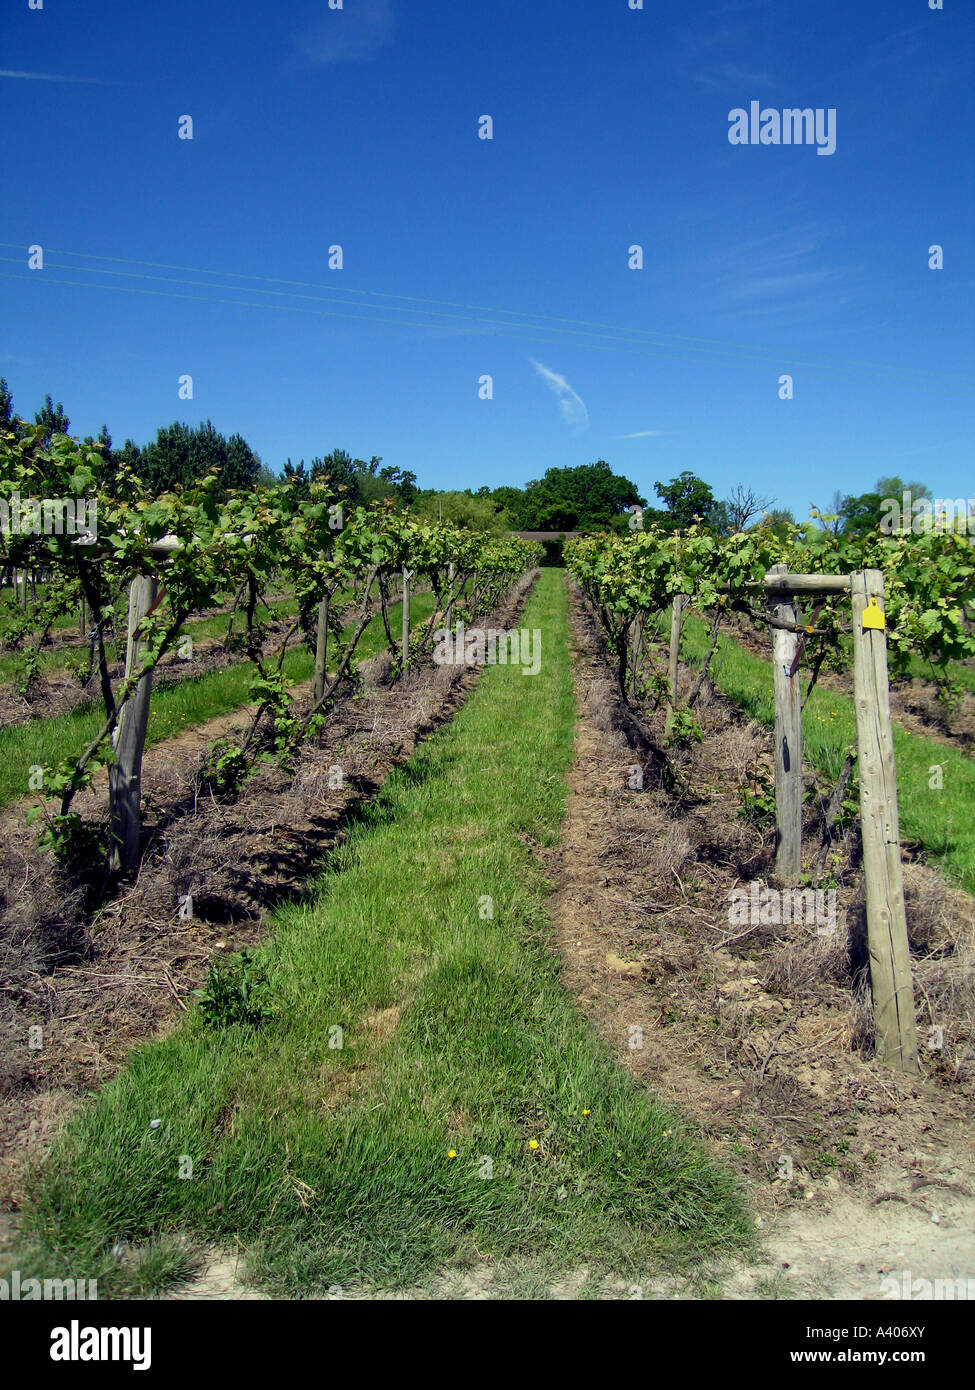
(360, 127)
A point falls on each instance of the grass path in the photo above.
(940, 820)
(470, 1110)
(175, 707)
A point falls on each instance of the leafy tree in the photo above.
(779, 521)
(510, 501)
(52, 418)
(861, 515)
(402, 480)
(687, 499)
(242, 466)
(358, 482)
(588, 497)
(182, 455)
(478, 513)
(896, 487)
(8, 421)
(129, 455)
(720, 517)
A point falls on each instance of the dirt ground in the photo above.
(853, 1169)
(856, 1173)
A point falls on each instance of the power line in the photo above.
(577, 327)
(496, 332)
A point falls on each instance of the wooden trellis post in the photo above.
(676, 620)
(125, 775)
(406, 618)
(451, 576)
(321, 649)
(636, 647)
(788, 740)
(887, 940)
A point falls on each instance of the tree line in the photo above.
(585, 497)
(182, 455)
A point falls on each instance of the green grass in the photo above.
(332, 1166)
(175, 707)
(941, 821)
(963, 675)
(200, 629)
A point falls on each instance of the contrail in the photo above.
(56, 77)
(571, 404)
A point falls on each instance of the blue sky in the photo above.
(507, 257)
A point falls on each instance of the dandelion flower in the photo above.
(452, 1153)
(533, 1143)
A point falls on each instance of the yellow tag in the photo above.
(873, 617)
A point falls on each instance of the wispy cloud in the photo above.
(349, 35)
(571, 404)
(58, 77)
(782, 272)
(775, 286)
(726, 47)
(733, 75)
(639, 434)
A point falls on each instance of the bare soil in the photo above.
(763, 1037)
(856, 1173)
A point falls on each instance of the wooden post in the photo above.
(83, 617)
(451, 576)
(887, 942)
(125, 775)
(676, 621)
(321, 649)
(636, 648)
(406, 617)
(788, 743)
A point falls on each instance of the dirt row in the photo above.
(100, 981)
(762, 1036)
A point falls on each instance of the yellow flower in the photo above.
(452, 1153)
(585, 1112)
(533, 1143)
